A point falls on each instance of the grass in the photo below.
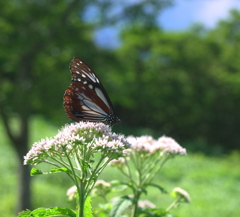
(212, 182)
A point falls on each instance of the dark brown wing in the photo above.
(86, 98)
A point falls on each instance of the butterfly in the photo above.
(86, 98)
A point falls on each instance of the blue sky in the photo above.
(186, 12)
(180, 17)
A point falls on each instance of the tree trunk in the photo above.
(20, 144)
(24, 193)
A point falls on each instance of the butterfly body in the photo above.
(86, 98)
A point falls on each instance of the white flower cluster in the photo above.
(96, 136)
(170, 146)
(146, 144)
(71, 192)
(146, 204)
(142, 144)
(183, 194)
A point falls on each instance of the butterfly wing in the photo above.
(86, 98)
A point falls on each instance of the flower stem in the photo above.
(172, 205)
(135, 203)
(81, 199)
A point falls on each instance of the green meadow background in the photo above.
(212, 181)
(182, 84)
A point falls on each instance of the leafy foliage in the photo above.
(183, 84)
(40, 46)
(45, 212)
(120, 205)
(36, 171)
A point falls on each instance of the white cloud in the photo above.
(209, 12)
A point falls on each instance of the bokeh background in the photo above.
(171, 67)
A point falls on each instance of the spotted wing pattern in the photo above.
(86, 98)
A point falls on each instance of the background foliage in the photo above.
(182, 84)
(211, 181)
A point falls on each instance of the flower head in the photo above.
(146, 145)
(71, 192)
(72, 138)
(143, 144)
(146, 204)
(182, 194)
(169, 146)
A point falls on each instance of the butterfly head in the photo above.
(111, 119)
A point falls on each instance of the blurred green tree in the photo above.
(38, 40)
(183, 84)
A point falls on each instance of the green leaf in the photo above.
(35, 171)
(57, 170)
(115, 183)
(120, 205)
(25, 213)
(118, 186)
(153, 212)
(48, 212)
(88, 207)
